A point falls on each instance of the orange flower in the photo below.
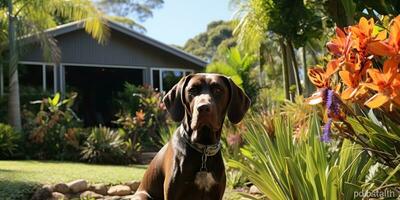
(320, 77)
(341, 44)
(390, 47)
(387, 85)
(140, 117)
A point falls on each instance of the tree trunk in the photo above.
(307, 83)
(14, 112)
(295, 66)
(262, 62)
(292, 82)
(285, 68)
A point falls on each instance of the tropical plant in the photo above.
(103, 146)
(288, 23)
(359, 91)
(31, 18)
(54, 132)
(8, 141)
(284, 168)
(142, 123)
(238, 67)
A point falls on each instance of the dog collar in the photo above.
(205, 150)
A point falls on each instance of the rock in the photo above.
(254, 190)
(119, 190)
(78, 185)
(129, 197)
(58, 196)
(99, 188)
(112, 198)
(133, 185)
(43, 193)
(61, 188)
(90, 194)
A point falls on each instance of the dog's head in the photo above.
(202, 101)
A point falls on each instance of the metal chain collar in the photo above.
(205, 150)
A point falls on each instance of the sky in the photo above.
(179, 20)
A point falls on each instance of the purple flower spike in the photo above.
(332, 103)
(327, 131)
(329, 98)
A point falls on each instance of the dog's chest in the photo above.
(204, 180)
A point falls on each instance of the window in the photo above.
(165, 79)
(37, 76)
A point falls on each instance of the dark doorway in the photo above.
(96, 87)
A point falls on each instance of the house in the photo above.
(97, 71)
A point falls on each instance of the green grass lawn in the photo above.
(18, 179)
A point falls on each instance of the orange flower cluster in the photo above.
(357, 53)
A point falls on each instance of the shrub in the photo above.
(143, 126)
(103, 146)
(128, 101)
(54, 132)
(8, 141)
(285, 168)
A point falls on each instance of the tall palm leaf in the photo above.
(33, 17)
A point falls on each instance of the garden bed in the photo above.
(20, 179)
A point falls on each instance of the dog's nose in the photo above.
(203, 108)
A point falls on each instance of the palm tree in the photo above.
(286, 22)
(33, 17)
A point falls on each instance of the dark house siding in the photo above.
(80, 48)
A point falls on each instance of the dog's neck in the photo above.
(203, 136)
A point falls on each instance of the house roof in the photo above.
(77, 25)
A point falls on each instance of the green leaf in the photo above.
(56, 99)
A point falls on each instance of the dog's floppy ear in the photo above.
(174, 99)
(239, 102)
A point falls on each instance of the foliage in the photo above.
(293, 20)
(33, 18)
(142, 124)
(232, 141)
(125, 11)
(19, 179)
(54, 132)
(238, 67)
(285, 168)
(359, 91)
(128, 100)
(365, 67)
(167, 132)
(211, 44)
(8, 141)
(344, 13)
(103, 145)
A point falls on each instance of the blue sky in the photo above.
(179, 20)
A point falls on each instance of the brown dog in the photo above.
(190, 166)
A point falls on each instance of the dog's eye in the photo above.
(216, 90)
(193, 91)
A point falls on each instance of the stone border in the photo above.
(81, 189)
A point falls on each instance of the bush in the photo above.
(103, 146)
(54, 132)
(8, 141)
(283, 167)
(143, 126)
(128, 101)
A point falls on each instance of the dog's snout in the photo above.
(203, 108)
